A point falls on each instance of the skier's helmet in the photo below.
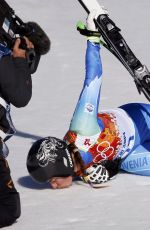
(47, 158)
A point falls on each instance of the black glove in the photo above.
(112, 166)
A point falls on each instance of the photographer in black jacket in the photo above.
(16, 67)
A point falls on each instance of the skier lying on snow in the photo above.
(97, 145)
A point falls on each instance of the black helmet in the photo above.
(49, 157)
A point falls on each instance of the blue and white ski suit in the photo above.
(122, 132)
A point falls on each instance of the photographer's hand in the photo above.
(17, 51)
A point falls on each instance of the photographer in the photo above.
(16, 67)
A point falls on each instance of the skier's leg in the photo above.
(9, 197)
(84, 121)
(138, 162)
(140, 115)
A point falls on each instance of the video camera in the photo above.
(11, 27)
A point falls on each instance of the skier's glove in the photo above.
(96, 174)
(112, 166)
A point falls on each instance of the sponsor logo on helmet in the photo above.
(48, 151)
(65, 161)
(69, 158)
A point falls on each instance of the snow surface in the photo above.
(125, 204)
